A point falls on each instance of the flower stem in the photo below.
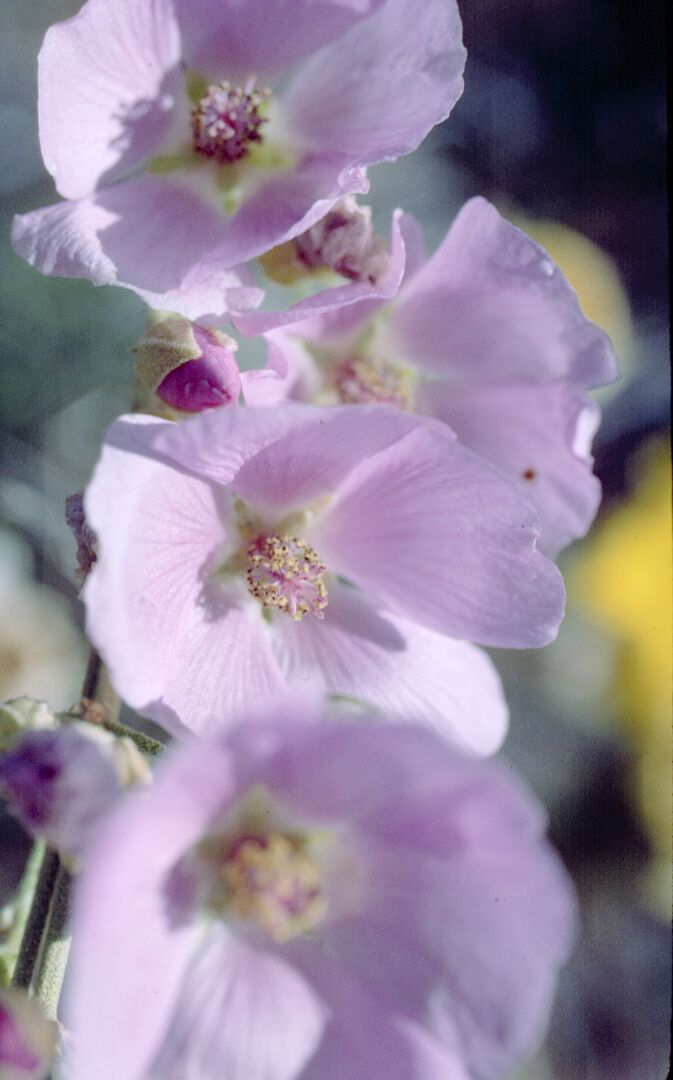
(145, 743)
(56, 947)
(20, 910)
(33, 931)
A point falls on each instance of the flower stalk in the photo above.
(38, 914)
(19, 911)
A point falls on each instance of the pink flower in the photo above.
(183, 150)
(305, 901)
(486, 335)
(245, 549)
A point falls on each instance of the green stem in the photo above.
(29, 951)
(145, 743)
(54, 956)
(20, 909)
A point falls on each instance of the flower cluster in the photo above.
(292, 569)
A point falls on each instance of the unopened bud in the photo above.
(183, 368)
(28, 1040)
(60, 782)
(20, 715)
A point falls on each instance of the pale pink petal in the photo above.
(180, 648)
(242, 1013)
(284, 205)
(470, 943)
(490, 305)
(233, 39)
(147, 234)
(141, 958)
(443, 804)
(337, 309)
(291, 373)
(398, 667)
(384, 84)
(530, 433)
(414, 245)
(439, 536)
(108, 83)
(366, 1039)
(285, 458)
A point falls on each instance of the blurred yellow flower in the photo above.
(594, 277)
(624, 580)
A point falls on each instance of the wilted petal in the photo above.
(339, 309)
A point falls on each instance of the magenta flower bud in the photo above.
(27, 1039)
(184, 368)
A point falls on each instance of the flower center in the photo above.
(273, 881)
(227, 119)
(286, 573)
(371, 381)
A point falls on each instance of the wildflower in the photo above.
(212, 133)
(268, 911)
(486, 335)
(247, 548)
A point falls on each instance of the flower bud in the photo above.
(182, 368)
(23, 714)
(60, 782)
(28, 1040)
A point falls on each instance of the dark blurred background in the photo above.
(562, 125)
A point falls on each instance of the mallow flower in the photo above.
(486, 335)
(356, 549)
(188, 136)
(317, 901)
